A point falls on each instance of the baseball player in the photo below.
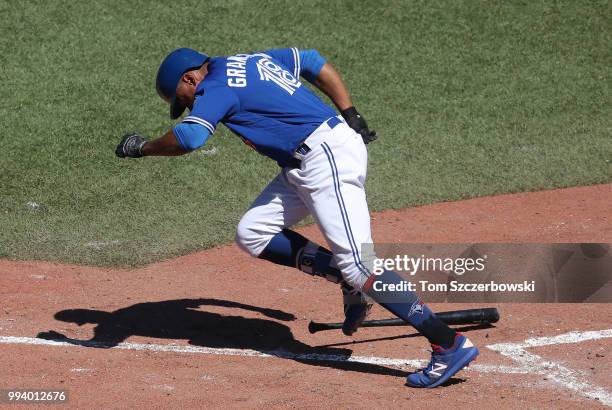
(322, 156)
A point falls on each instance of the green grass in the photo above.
(469, 98)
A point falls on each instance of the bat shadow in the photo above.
(462, 329)
(186, 319)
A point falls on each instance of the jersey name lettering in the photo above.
(236, 70)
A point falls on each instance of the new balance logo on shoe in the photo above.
(436, 368)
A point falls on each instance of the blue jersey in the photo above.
(260, 98)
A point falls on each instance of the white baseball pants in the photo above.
(330, 186)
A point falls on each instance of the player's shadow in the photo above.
(182, 319)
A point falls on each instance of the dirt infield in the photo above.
(220, 329)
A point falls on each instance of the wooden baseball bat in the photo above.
(456, 317)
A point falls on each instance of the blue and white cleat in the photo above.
(444, 363)
(356, 309)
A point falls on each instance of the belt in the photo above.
(304, 149)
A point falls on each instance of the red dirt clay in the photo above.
(221, 298)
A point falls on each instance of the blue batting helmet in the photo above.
(170, 72)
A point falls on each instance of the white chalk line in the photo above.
(556, 372)
(315, 357)
(570, 337)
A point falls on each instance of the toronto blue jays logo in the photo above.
(269, 71)
(417, 307)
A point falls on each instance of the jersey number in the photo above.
(268, 71)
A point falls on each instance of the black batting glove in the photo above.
(130, 146)
(357, 123)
